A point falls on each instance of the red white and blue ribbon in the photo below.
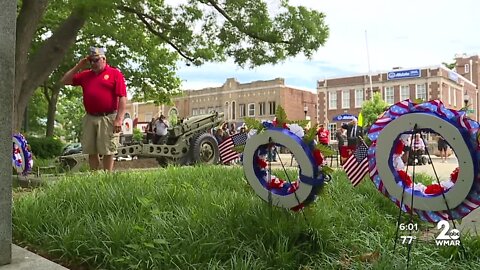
(459, 119)
(22, 158)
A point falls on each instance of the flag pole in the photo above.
(369, 70)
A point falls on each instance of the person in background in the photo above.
(353, 132)
(161, 130)
(233, 130)
(219, 135)
(243, 129)
(151, 131)
(342, 141)
(442, 148)
(418, 148)
(323, 135)
(104, 99)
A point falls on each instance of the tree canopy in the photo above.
(146, 39)
(372, 109)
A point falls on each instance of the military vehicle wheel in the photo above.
(205, 149)
(163, 161)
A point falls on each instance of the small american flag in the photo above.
(227, 153)
(356, 165)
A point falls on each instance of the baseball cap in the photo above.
(96, 51)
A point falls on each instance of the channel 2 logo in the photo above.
(447, 237)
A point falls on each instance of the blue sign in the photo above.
(453, 76)
(343, 117)
(403, 74)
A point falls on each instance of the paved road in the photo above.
(470, 223)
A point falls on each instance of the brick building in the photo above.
(345, 95)
(258, 99)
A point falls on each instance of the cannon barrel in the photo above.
(197, 123)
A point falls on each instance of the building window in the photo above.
(421, 92)
(218, 109)
(242, 110)
(201, 111)
(261, 108)
(226, 110)
(467, 68)
(251, 109)
(359, 98)
(273, 107)
(209, 109)
(194, 111)
(332, 127)
(332, 100)
(404, 92)
(234, 115)
(389, 97)
(345, 99)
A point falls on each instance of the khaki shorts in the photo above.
(98, 136)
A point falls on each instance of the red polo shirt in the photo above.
(101, 91)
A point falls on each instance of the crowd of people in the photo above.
(226, 130)
(157, 130)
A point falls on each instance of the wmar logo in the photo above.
(447, 237)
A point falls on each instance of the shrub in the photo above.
(137, 135)
(45, 147)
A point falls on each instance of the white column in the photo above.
(8, 14)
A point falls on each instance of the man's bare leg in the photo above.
(108, 163)
(94, 162)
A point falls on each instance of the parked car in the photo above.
(73, 148)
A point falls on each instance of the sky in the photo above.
(368, 35)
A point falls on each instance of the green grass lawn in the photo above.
(210, 218)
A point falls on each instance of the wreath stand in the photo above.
(460, 198)
(410, 224)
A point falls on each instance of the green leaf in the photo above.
(418, 100)
(325, 150)
(149, 245)
(145, 202)
(281, 116)
(160, 241)
(239, 148)
(253, 123)
(133, 246)
(310, 134)
(302, 123)
(327, 170)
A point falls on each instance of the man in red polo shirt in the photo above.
(104, 99)
(323, 135)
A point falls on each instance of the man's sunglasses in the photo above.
(95, 60)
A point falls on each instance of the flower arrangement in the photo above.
(294, 132)
(22, 158)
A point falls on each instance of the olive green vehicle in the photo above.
(189, 142)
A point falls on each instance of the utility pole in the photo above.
(8, 19)
(369, 70)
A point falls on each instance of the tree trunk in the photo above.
(45, 59)
(52, 108)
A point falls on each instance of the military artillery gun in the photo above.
(187, 143)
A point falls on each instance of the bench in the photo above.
(42, 170)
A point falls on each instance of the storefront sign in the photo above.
(403, 74)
